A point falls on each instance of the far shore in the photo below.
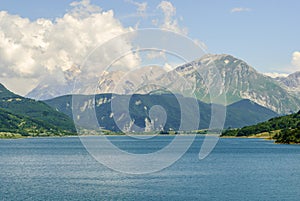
(264, 135)
(6, 135)
(247, 137)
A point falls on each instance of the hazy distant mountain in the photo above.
(54, 86)
(46, 91)
(120, 82)
(240, 81)
(291, 83)
(242, 113)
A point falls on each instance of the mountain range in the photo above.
(291, 83)
(239, 80)
(112, 113)
(29, 117)
(251, 98)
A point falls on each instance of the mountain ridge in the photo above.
(240, 81)
(291, 83)
(238, 114)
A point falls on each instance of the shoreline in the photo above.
(247, 137)
(259, 137)
(15, 136)
(18, 136)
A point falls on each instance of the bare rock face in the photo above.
(238, 80)
(291, 83)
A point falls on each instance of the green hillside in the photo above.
(285, 129)
(12, 124)
(35, 114)
(246, 113)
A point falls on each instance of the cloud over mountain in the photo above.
(296, 59)
(35, 51)
(43, 48)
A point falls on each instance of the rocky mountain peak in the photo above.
(238, 79)
(292, 81)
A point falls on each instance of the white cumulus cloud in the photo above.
(44, 48)
(296, 60)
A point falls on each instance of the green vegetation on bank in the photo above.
(288, 136)
(27, 117)
(7, 135)
(284, 129)
(14, 125)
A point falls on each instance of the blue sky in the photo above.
(265, 34)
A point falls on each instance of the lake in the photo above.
(61, 169)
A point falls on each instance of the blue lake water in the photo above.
(61, 169)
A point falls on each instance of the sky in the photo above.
(35, 35)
